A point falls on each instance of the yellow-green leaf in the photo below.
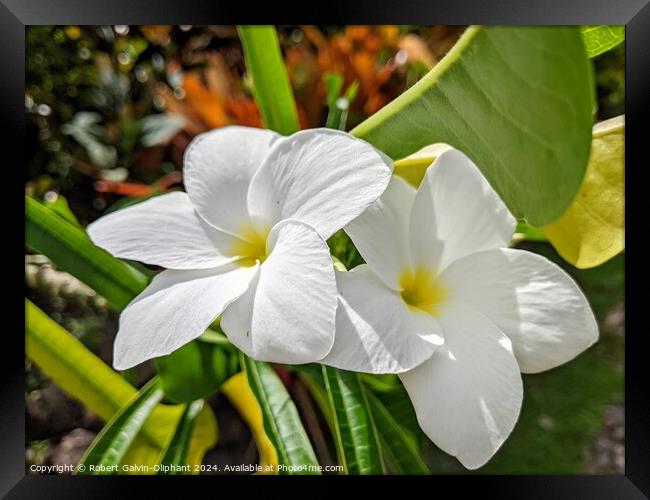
(241, 396)
(413, 167)
(591, 231)
(88, 379)
(599, 39)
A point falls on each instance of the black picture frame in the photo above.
(15, 15)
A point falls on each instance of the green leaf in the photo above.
(312, 375)
(338, 105)
(78, 372)
(398, 443)
(175, 456)
(72, 251)
(60, 206)
(400, 407)
(357, 441)
(111, 444)
(281, 420)
(194, 371)
(528, 233)
(271, 86)
(516, 100)
(599, 39)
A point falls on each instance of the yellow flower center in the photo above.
(251, 246)
(421, 290)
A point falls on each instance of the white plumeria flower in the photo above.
(445, 304)
(246, 241)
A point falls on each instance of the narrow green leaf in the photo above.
(357, 441)
(72, 251)
(599, 39)
(60, 206)
(281, 420)
(516, 100)
(111, 444)
(400, 446)
(175, 456)
(399, 405)
(271, 86)
(194, 371)
(312, 375)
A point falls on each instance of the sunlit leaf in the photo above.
(109, 447)
(516, 100)
(271, 86)
(281, 420)
(599, 39)
(241, 396)
(357, 441)
(592, 230)
(78, 372)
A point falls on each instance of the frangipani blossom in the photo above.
(247, 242)
(445, 304)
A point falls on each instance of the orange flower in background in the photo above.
(376, 57)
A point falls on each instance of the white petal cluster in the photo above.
(441, 300)
(247, 242)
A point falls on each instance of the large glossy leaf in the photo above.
(72, 251)
(194, 371)
(106, 452)
(271, 87)
(281, 420)
(397, 442)
(174, 460)
(357, 441)
(592, 230)
(599, 39)
(516, 100)
(240, 395)
(88, 379)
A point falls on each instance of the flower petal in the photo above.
(218, 167)
(456, 212)
(534, 302)
(288, 315)
(468, 395)
(376, 332)
(381, 232)
(176, 308)
(163, 231)
(322, 177)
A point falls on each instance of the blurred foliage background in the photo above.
(110, 111)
